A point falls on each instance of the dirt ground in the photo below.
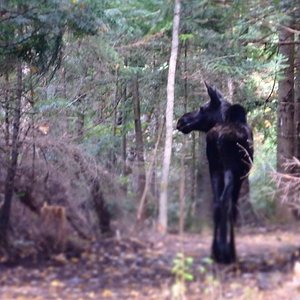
(132, 268)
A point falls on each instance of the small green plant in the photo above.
(212, 285)
(205, 262)
(182, 271)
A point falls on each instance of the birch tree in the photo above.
(163, 199)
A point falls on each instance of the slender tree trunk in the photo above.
(297, 100)
(148, 176)
(285, 134)
(230, 86)
(12, 160)
(203, 207)
(182, 190)
(80, 118)
(182, 184)
(139, 143)
(124, 131)
(113, 158)
(286, 109)
(155, 178)
(7, 110)
(64, 83)
(65, 113)
(163, 204)
(193, 170)
(297, 103)
(80, 125)
(115, 102)
(124, 134)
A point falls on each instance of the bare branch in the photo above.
(288, 184)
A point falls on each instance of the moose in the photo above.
(229, 150)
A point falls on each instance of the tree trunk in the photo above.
(163, 204)
(7, 110)
(139, 143)
(124, 134)
(193, 169)
(204, 203)
(115, 102)
(79, 125)
(285, 134)
(182, 190)
(65, 114)
(12, 159)
(230, 86)
(149, 177)
(80, 118)
(297, 100)
(285, 114)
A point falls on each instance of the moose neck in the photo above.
(217, 116)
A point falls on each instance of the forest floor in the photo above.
(132, 268)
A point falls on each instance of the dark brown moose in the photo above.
(229, 149)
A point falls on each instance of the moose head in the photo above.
(207, 116)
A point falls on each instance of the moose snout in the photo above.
(179, 124)
(183, 125)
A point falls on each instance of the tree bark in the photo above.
(7, 111)
(203, 204)
(139, 143)
(297, 101)
(163, 203)
(12, 159)
(124, 133)
(182, 190)
(193, 169)
(79, 125)
(285, 114)
(285, 133)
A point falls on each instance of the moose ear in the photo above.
(215, 95)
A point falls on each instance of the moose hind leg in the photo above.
(225, 251)
(217, 188)
(216, 238)
(235, 198)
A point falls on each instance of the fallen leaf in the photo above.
(60, 258)
(134, 294)
(57, 283)
(91, 295)
(297, 269)
(107, 293)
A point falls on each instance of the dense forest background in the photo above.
(83, 101)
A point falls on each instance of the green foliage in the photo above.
(182, 271)
(186, 37)
(205, 263)
(262, 186)
(133, 19)
(50, 106)
(33, 31)
(182, 267)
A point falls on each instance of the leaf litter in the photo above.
(129, 268)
